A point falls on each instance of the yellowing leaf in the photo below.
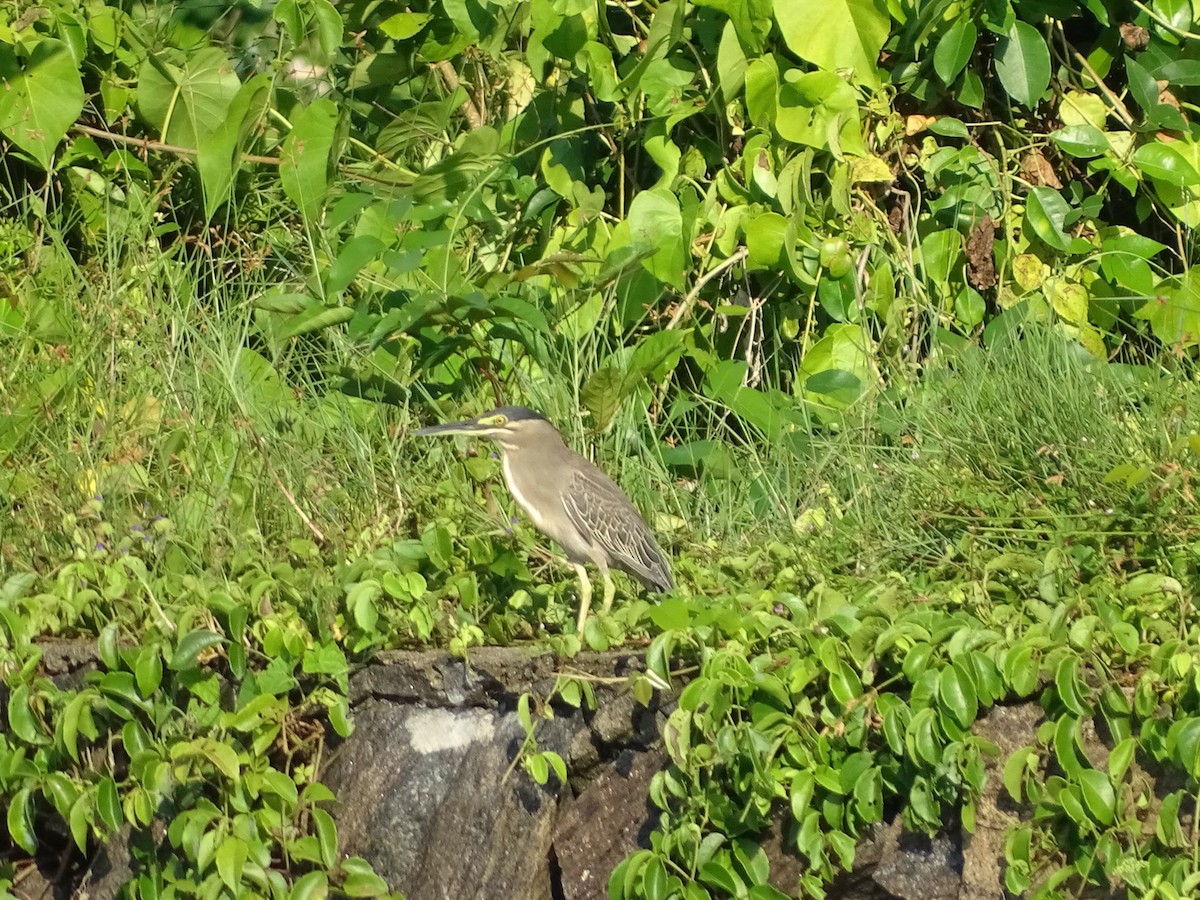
(836, 34)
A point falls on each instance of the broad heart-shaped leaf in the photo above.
(218, 156)
(954, 49)
(940, 253)
(817, 109)
(843, 348)
(1174, 315)
(1023, 63)
(765, 234)
(836, 34)
(304, 161)
(769, 411)
(187, 103)
(656, 219)
(41, 99)
(751, 19)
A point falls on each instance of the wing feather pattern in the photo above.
(600, 509)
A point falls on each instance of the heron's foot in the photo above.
(585, 598)
(610, 591)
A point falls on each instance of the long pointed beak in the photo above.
(467, 426)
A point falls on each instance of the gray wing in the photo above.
(600, 510)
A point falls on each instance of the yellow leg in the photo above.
(585, 597)
(610, 591)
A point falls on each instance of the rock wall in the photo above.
(431, 793)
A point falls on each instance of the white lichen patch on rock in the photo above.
(432, 730)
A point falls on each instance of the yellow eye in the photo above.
(496, 420)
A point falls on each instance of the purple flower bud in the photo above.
(137, 528)
(100, 545)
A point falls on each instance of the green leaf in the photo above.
(106, 646)
(538, 768)
(404, 25)
(1023, 63)
(921, 738)
(20, 821)
(364, 884)
(60, 790)
(602, 394)
(766, 892)
(190, 102)
(1083, 141)
(1045, 215)
(219, 154)
(762, 88)
(1015, 768)
(1185, 736)
(1098, 796)
(654, 880)
(326, 837)
(305, 157)
(313, 886)
(1174, 317)
(957, 696)
(361, 602)
(41, 100)
(1070, 799)
(954, 49)
(720, 875)
(148, 671)
(317, 318)
(222, 756)
(21, 718)
(557, 764)
(231, 858)
(1066, 744)
(191, 645)
(282, 301)
(941, 253)
(765, 234)
(836, 34)
(108, 804)
(79, 822)
(819, 109)
(731, 63)
(1066, 681)
(1163, 162)
(948, 126)
(656, 219)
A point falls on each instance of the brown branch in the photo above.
(450, 79)
(147, 144)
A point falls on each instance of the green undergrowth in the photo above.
(814, 281)
(1020, 525)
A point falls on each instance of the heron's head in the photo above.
(513, 427)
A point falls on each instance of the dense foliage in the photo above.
(886, 306)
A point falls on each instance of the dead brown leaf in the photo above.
(981, 264)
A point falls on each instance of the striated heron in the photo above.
(570, 500)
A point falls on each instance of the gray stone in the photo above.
(431, 797)
(612, 818)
